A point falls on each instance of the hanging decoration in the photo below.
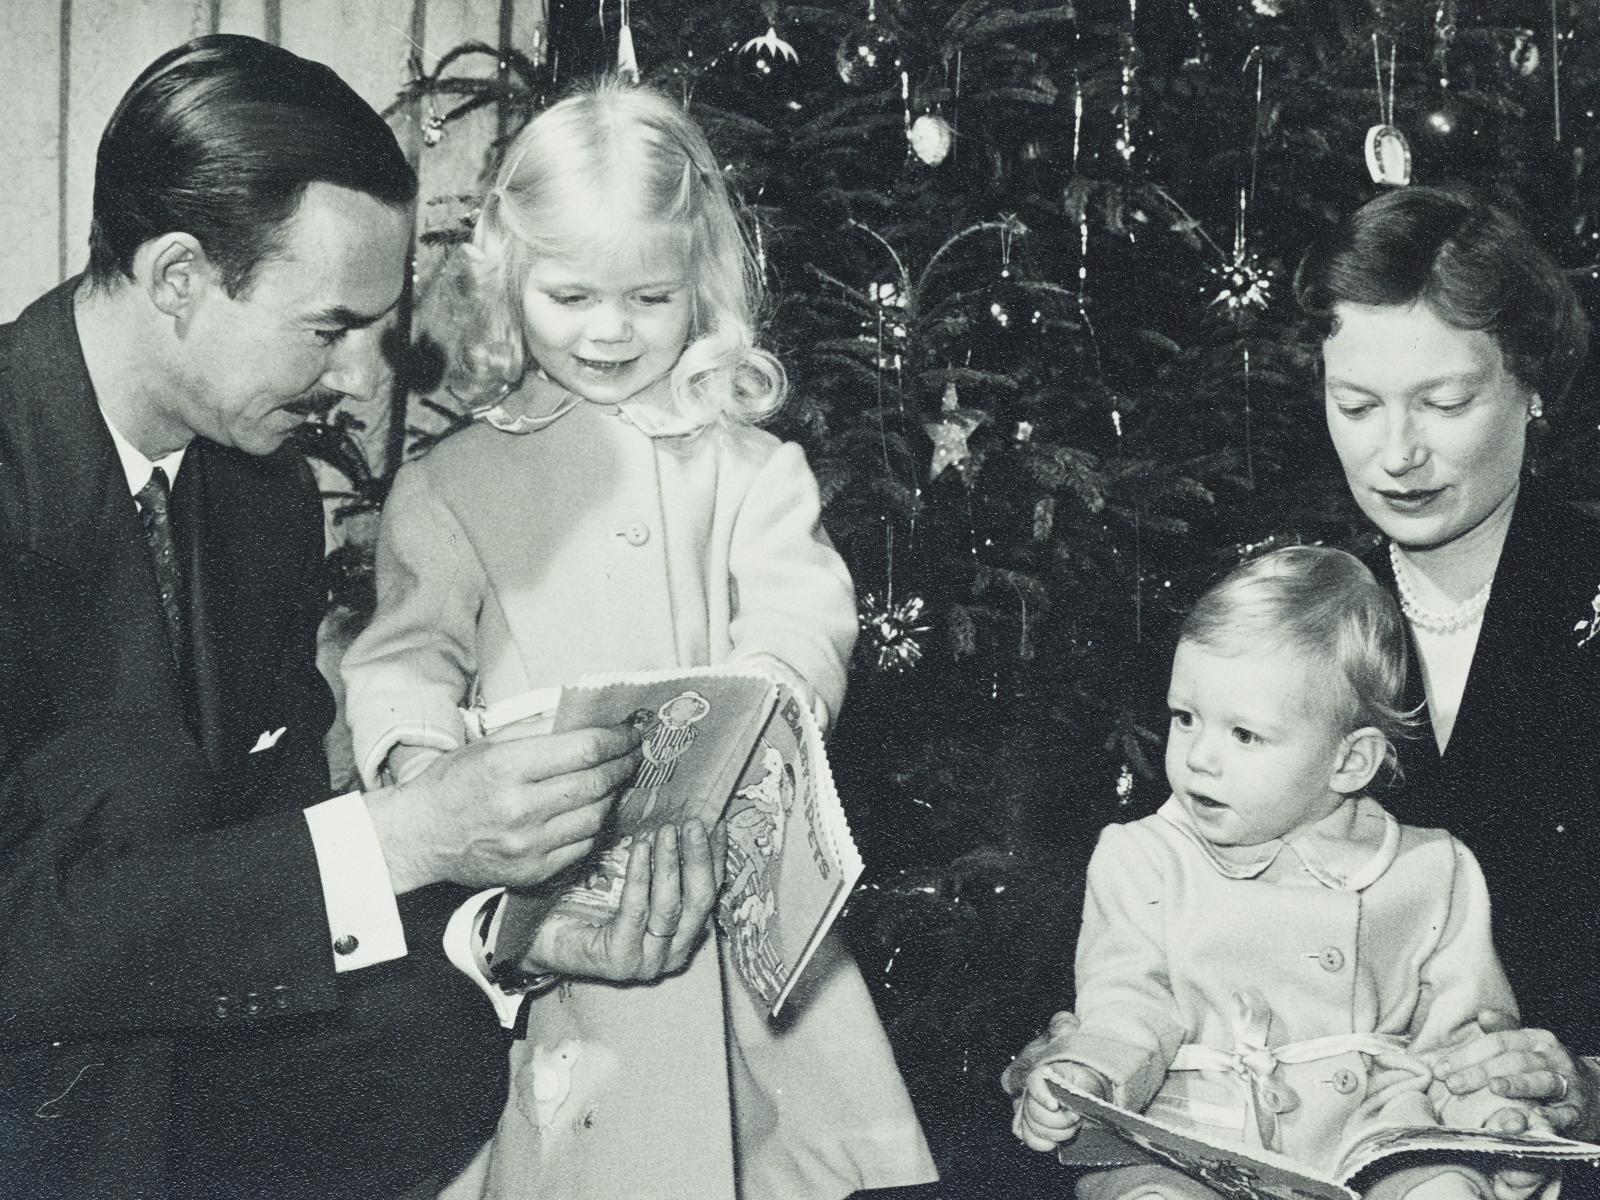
(1124, 784)
(1130, 51)
(432, 128)
(771, 50)
(931, 138)
(950, 433)
(868, 53)
(1044, 518)
(627, 61)
(1444, 33)
(892, 631)
(1388, 152)
(1201, 55)
(1524, 57)
(1555, 71)
(1268, 8)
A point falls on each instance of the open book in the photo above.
(1112, 1136)
(743, 754)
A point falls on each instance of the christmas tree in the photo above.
(1032, 267)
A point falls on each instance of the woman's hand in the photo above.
(1524, 1064)
(1040, 1120)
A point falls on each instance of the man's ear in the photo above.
(172, 269)
(1358, 759)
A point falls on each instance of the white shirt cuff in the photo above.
(464, 942)
(363, 919)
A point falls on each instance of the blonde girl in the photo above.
(616, 508)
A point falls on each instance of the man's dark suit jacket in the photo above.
(171, 1023)
(1520, 779)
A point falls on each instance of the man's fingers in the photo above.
(534, 757)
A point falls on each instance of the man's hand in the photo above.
(666, 897)
(1524, 1064)
(1039, 1119)
(514, 808)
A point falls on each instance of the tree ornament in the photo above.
(1524, 53)
(1044, 518)
(1245, 282)
(892, 630)
(1269, 8)
(771, 51)
(931, 138)
(868, 54)
(1124, 784)
(433, 130)
(950, 433)
(1388, 152)
(1024, 433)
(627, 61)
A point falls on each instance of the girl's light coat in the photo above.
(528, 560)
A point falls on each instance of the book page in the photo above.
(1241, 1171)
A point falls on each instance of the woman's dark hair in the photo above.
(1472, 263)
(219, 139)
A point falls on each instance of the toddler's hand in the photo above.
(1515, 1184)
(1040, 1120)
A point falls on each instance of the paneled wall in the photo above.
(64, 64)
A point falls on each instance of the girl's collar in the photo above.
(1347, 851)
(540, 402)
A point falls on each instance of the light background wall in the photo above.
(65, 63)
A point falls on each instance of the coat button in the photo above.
(280, 995)
(1331, 958)
(1346, 1081)
(346, 944)
(636, 534)
(1276, 1099)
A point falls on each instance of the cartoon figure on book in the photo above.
(1270, 958)
(615, 509)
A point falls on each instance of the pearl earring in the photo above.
(1535, 408)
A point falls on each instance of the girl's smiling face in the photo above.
(606, 326)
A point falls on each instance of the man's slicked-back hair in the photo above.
(1472, 263)
(219, 138)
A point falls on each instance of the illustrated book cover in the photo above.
(744, 754)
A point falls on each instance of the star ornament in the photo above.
(950, 433)
(770, 44)
(1245, 283)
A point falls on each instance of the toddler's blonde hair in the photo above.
(1325, 606)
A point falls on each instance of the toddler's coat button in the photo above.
(346, 944)
(1276, 1100)
(637, 534)
(1346, 1081)
(1331, 958)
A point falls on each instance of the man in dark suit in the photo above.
(213, 980)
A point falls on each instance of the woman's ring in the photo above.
(1565, 1085)
(652, 933)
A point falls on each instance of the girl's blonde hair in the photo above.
(610, 158)
(1324, 606)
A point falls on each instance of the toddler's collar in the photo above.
(1347, 851)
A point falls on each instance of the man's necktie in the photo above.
(156, 514)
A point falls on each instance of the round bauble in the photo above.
(931, 138)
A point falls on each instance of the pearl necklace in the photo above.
(1456, 619)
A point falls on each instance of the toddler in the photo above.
(1266, 960)
(616, 509)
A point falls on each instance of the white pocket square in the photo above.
(268, 739)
